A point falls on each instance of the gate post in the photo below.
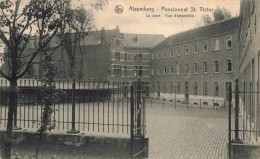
(138, 111)
(73, 130)
(236, 111)
(229, 119)
(132, 121)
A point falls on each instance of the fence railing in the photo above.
(244, 121)
(85, 106)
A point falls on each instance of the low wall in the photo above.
(193, 100)
(245, 151)
(72, 146)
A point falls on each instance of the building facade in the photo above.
(105, 55)
(249, 68)
(138, 49)
(196, 64)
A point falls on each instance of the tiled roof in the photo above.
(204, 31)
(142, 40)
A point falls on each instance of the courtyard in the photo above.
(183, 133)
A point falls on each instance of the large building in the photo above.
(138, 49)
(198, 63)
(249, 68)
(105, 55)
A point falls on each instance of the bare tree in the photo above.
(17, 24)
(76, 25)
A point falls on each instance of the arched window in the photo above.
(195, 68)
(215, 44)
(171, 87)
(171, 69)
(186, 49)
(205, 46)
(228, 42)
(178, 87)
(229, 65)
(205, 67)
(195, 88)
(171, 52)
(216, 89)
(186, 68)
(164, 70)
(164, 86)
(158, 71)
(216, 62)
(178, 68)
(205, 89)
(195, 48)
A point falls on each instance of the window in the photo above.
(171, 69)
(164, 53)
(117, 55)
(152, 71)
(205, 67)
(216, 89)
(178, 51)
(229, 65)
(215, 44)
(157, 55)
(178, 87)
(117, 70)
(152, 56)
(178, 68)
(195, 68)
(135, 71)
(195, 48)
(186, 49)
(186, 68)
(205, 89)
(135, 57)
(205, 46)
(140, 57)
(171, 87)
(216, 66)
(164, 70)
(158, 71)
(171, 52)
(164, 87)
(228, 42)
(195, 89)
(140, 71)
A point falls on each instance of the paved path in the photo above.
(183, 133)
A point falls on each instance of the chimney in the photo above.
(103, 35)
(117, 29)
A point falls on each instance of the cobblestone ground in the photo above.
(183, 133)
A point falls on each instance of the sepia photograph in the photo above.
(126, 79)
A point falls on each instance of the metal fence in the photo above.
(85, 106)
(244, 120)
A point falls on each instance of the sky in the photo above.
(138, 22)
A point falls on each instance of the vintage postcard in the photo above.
(158, 79)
